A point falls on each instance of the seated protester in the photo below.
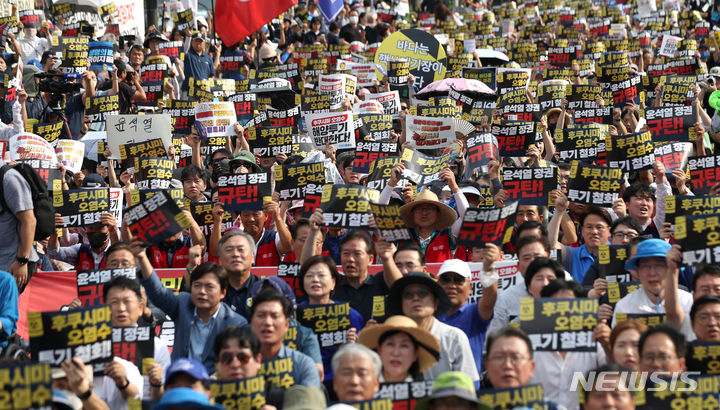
(706, 281)
(405, 350)
(86, 256)
(614, 392)
(122, 381)
(76, 378)
(194, 185)
(705, 316)
(318, 279)
(662, 349)
(656, 265)
(357, 373)
(238, 357)
(420, 298)
(647, 205)
(199, 315)
(595, 227)
(555, 369)
(472, 318)
(187, 385)
(185, 398)
(453, 390)
(173, 252)
(270, 320)
(270, 245)
(300, 231)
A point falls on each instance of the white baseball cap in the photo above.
(455, 266)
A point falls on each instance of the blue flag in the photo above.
(330, 8)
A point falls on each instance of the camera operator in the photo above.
(55, 89)
(129, 86)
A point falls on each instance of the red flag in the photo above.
(236, 19)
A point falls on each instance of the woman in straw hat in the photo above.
(405, 349)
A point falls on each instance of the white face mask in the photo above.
(353, 19)
(30, 32)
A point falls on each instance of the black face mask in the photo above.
(97, 239)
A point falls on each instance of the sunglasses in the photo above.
(456, 279)
(227, 358)
(422, 293)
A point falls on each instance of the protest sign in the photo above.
(584, 142)
(31, 18)
(288, 271)
(514, 137)
(26, 386)
(109, 12)
(48, 172)
(618, 290)
(333, 85)
(508, 274)
(397, 76)
(97, 108)
(529, 396)
(703, 357)
(172, 49)
(559, 324)
(669, 46)
(202, 213)
(389, 222)
(184, 20)
(594, 185)
(100, 55)
(689, 392)
(429, 132)
(422, 169)
(270, 141)
(377, 126)
(245, 106)
(278, 371)
(218, 118)
(676, 123)
(70, 153)
(81, 207)
(347, 206)
(648, 319)
(154, 73)
(49, 131)
(678, 90)
(137, 196)
(153, 172)
(704, 173)
(426, 58)
(690, 205)
(673, 155)
(134, 344)
(337, 129)
(550, 95)
(155, 219)
(82, 332)
(297, 180)
(404, 395)
(126, 128)
(244, 192)
(74, 55)
(509, 79)
(330, 322)
(699, 237)
(368, 151)
(631, 152)
(379, 172)
(486, 75)
(90, 284)
(390, 101)
(481, 149)
(481, 226)
(530, 186)
(611, 262)
(371, 404)
(601, 115)
(182, 113)
(248, 393)
(313, 102)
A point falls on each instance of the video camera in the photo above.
(54, 83)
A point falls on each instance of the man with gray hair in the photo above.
(357, 373)
(237, 254)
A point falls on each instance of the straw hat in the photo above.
(446, 215)
(428, 345)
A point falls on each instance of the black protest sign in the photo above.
(49, 131)
(512, 79)
(699, 236)
(481, 226)
(245, 106)
(673, 155)
(82, 332)
(140, 195)
(600, 115)
(514, 105)
(74, 54)
(297, 180)
(202, 214)
(183, 115)
(153, 74)
(611, 262)
(369, 151)
(330, 322)
(550, 95)
(678, 90)
(648, 319)
(583, 96)
(704, 173)
(288, 271)
(270, 141)
(98, 107)
(514, 137)
(703, 357)
(155, 219)
(371, 404)
(631, 152)
(529, 396)
(690, 205)
(422, 169)
(530, 186)
(375, 126)
(687, 392)
(404, 395)
(63, 10)
(184, 20)
(172, 49)
(390, 224)
(153, 172)
(313, 102)
(486, 75)
(302, 145)
(248, 393)
(618, 290)
(380, 171)
(672, 123)
(626, 90)
(481, 149)
(563, 325)
(90, 283)
(584, 142)
(397, 76)
(134, 344)
(347, 206)
(48, 172)
(594, 185)
(109, 11)
(244, 192)
(278, 371)
(149, 148)
(81, 207)
(26, 386)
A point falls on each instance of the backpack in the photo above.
(42, 203)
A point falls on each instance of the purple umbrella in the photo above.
(465, 86)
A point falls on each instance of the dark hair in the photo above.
(221, 151)
(333, 26)
(298, 224)
(638, 188)
(362, 235)
(559, 284)
(700, 302)
(191, 171)
(118, 246)
(529, 240)
(540, 263)
(122, 282)
(677, 338)
(346, 158)
(530, 225)
(594, 210)
(316, 260)
(213, 268)
(623, 326)
(627, 110)
(414, 369)
(411, 246)
(704, 270)
(271, 295)
(507, 331)
(565, 166)
(244, 336)
(628, 221)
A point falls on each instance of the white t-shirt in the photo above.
(105, 388)
(556, 374)
(638, 301)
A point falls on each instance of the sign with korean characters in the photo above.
(611, 262)
(70, 153)
(372, 404)
(422, 169)
(136, 345)
(530, 186)
(514, 137)
(673, 155)
(288, 271)
(530, 396)
(404, 395)
(129, 153)
(218, 117)
(49, 131)
(26, 386)
(101, 55)
(390, 224)
(367, 152)
(31, 18)
(377, 126)
(248, 393)
(155, 219)
(244, 192)
(704, 172)
(141, 195)
(245, 106)
(690, 391)
(631, 152)
(298, 180)
(648, 319)
(379, 172)
(582, 96)
(329, 322)
(429, 132)
(202, 213)
(481, 149)
(669, 46)
(184, 20)
(509, 277)
(690, 205)
(397, 76)
(172, 49)
(337, 129)
(672, 123)
(123, 129)
(564, 325)
(551, 94)
(584, 142)
(600, 115)
(90, 284)
(81, 207)
(48, 172)
(278, 371)
(74, 55)
(481, 226)
(183, 115)
(270, 141)
(97, 108)
(678, 89)
(390, 101)
(509, 79)
(425, 56)
(699, 236)
(82, 332)
(703, 357)
(594, 185)
(347, 206)
(618, 290)
(333, 85)
(153, 172)
(153, 75)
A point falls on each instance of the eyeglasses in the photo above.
(662, 358)
(227, 358)
(515, 359)
(705, 317)
(623, 235)
(456, 279)
(425, 208)
(598, 228)
(646, 267)
(422, 293)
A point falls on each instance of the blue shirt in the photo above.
(578, 261)
(304, 371)
(199, 67)
(199, 334)
(468, 319)
(9, 314)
